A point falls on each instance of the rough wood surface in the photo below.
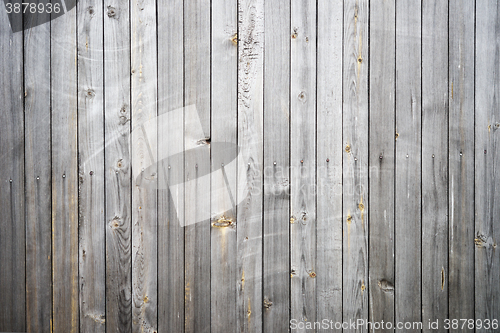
(434, 162)
(408, 225)
(381, 160)
(65, 194)
(117, 167)
(355, 161)
(487, 161)
(329, 161)
(250, 41)
(276, 283)
(38, 172)
(303, 161)
(461, 160)
(12, 198)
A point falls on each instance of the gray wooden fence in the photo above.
(368, 183)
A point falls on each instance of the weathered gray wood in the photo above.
(381, 160)
(91, 231)
(38, 171)
(170, 201)
(250, 141)
(276, 283)
(197, 190)
(65, 173)
(461, 160)
(407, 226)
(303, 161)
(144, 186)
(224, 129)
(355, 161)
(117, 169)
(12, 222)
(434, 162)
(487, 160)
(329, 161)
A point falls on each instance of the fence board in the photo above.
(487, 159)
(408, 223)
(381, 160)
(461, 160)
(434, 162)
(12, 199)
(355, 161)
(117, 166)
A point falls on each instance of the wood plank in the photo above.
(197, 189)
(171, 200)
(144, 157)
(303, 161)
(12, 199)
(355, 161)
(224, 131)
(381, 160)
(329, 161)
(65, 173)
(91, 167)
(461, 160)
(434, 162)
(277, 33)
(408, 223)
(250, 182)
(37, 71)
(487, 160)
(117, 169)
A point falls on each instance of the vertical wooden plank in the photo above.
(487, 160)
(434, 161)
(276, 166)
(171, 169)
(37, 101)
(355, 161)
(303, 161)
(12, 222)
(117, 169)
(91, 166)
(408, 225)
(250, 141)
(381, 160)
(144, 198)
(65, 173)
(461, 160)
(224, 129)
(197, 197)
(329, 161)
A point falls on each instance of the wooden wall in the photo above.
(368, 179)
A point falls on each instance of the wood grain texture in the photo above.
(461, 160)
(434, 161)
(487, 159)
(91, 167)
(329, 161)
(224, 129)
(12, 198)
(197, 190)
(117, 167)
(144, 185)
(303, 161)
(408, 223)
(277, 33)
(38, 172)
(170, 200)
(382, 160)
(250, 141)
(65, 174)
(355, 161)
